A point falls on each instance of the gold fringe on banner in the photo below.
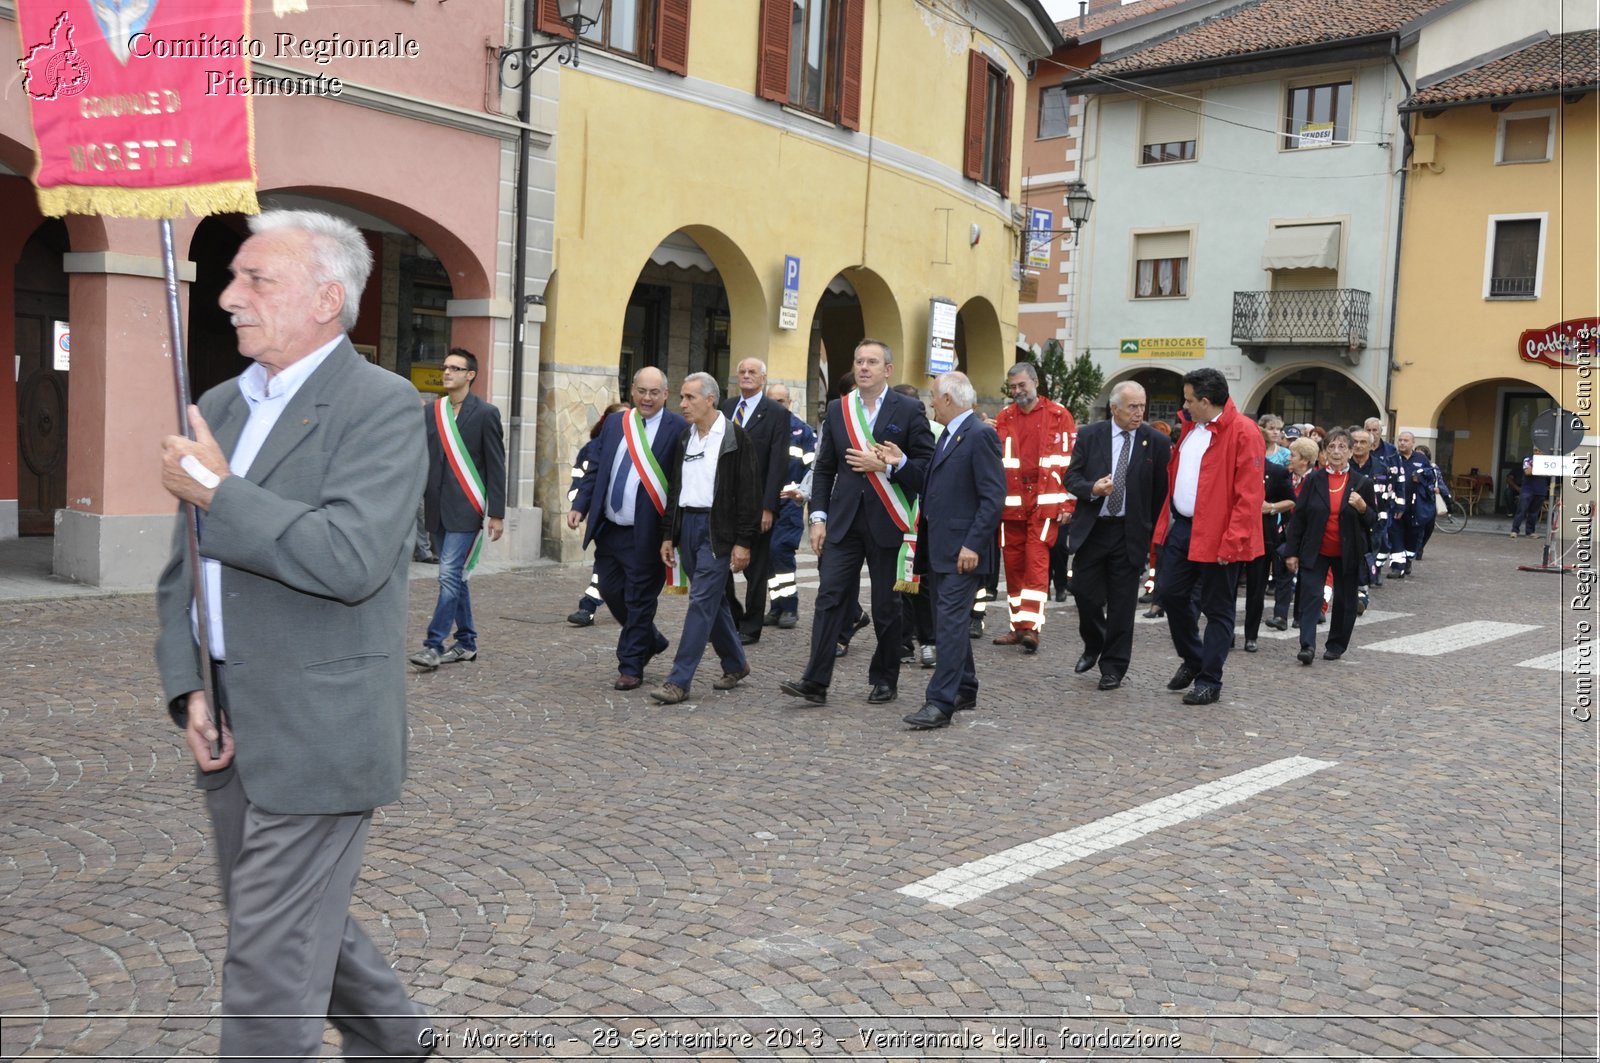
(222, 197)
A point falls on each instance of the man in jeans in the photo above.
(466, 483)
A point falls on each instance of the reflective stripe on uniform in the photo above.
(1051, 498)
(1044, 532)
(593, 590)
(1013, 500)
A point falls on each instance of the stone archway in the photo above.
(1483, 428)
(1312, 392)
(980, 351)
(855, 304)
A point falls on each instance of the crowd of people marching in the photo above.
(1192, 514)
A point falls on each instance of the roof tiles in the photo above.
(1564, 63)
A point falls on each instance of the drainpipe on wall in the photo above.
(1399, 236)
(519, 268)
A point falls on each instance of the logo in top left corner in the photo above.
(55, 69)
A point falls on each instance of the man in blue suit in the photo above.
(861, 501)
(956, 541)
(621, 498)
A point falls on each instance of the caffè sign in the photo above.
(1564, 345)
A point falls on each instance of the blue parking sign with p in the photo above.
(791, 281)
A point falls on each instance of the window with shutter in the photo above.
(1525, 137)
(772, 61)
(1169, 131)
(987, 152)
(810, 57)
(623, 28)
(672, 36)
(1515, 254)
(549, 20)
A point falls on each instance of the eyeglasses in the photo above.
(650, 393)
(457, 369)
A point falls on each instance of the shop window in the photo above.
(1525, 137)
(810, 56)
(1515, 265)
(1169, 131)
(651, 31)
(988, 138)
(1318, 115)
(1161, 265)
(1054, 109)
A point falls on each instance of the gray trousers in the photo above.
(296, 960)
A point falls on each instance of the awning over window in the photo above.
(681, 251)
(1302, 247)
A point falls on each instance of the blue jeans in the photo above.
(710, 616)
(455, 600)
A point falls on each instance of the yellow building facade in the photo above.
(1499, 248)
(712, 216)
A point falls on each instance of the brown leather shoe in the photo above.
(730, 680)
(1030, 640)
(627, 682)
(1010, 638)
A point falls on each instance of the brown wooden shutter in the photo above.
(850, 76)
(1003, 138)
(550, 22)
(772, 58)
(672, 35)
(977, 90)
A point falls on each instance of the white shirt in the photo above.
(622, 465)
(267, 397)
(1195, 443)
(700, 465)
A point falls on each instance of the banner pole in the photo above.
(180, 383)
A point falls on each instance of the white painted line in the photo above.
(972, 880)
(1449, 639)
(1562, 660)
(1371, 616)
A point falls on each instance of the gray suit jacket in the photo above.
(314, 545)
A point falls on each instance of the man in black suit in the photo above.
(1119, 475)
(956, 541)
(466, 484)
(767, 425)
(861, 501)
(622, 497)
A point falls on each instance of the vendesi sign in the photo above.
(1163, 347)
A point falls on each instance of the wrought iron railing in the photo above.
(1512, 287)
(1322, 317)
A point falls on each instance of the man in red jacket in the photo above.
(1210, 526)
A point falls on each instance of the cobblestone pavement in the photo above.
(575, 872)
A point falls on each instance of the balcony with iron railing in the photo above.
(1330, 317)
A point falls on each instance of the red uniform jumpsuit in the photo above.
(1035, 449)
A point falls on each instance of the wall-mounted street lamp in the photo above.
(579, 14)
(1079, 204)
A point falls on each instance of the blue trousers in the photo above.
(954, 676)
(1176, 578)
(455, 600)
(786, 532)
(710, 616)
(1528, 506)
(628, 562)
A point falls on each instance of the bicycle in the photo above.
(1452, 518)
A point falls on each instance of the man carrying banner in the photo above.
(308, 491)
(861, 508)
(466, 483)
(622, 499)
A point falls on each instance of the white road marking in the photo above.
(1563, 660)
(972, 880)
(1449, 639)
(1371, 616)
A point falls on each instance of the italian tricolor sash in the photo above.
(655, 485)
(903, 513)
(461, 465)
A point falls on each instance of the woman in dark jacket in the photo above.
(1274, 516)
(1333, 516)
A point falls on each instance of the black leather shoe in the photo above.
(1061, 595)
(1276, 624)
(788, 620)
(1332, 655)
(1109, 681)
(1182, 677)
(928, 718)
(975, 628)
(815, 693)
(1202, 696)
(1086, 662)
(747, 639)
(1250, 646)
(965, 703)
(1306, 655)
(882, 694)
(580, 618)
(862, 621)
(841, 649)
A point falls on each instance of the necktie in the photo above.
(738, 415)
(619, 483)
(944, 438)
(1119, 478)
